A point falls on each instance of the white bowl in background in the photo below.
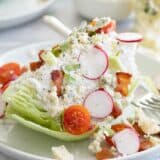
(16, 12)
(116, 9)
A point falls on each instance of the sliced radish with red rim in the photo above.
(126, 141)
(94, 62)
(99, 103)
(129, 37)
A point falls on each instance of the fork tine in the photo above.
(156, 100)
(145, 106)
(153, 103)
(150, 105)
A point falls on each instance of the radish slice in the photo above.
(94, 63)
(126, 141)
(99, 103)
(129, 37)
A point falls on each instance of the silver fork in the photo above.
(150, 103)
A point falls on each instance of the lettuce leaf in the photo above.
(56, 134)
(49, 58)
(25, 103)
(115, 64)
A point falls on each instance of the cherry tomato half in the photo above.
(107, 28)
(9, 71)
(76, 119)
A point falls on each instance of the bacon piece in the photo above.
(40, 54)
(138, 129)
(116, 111)
(119, 127)
(35, 65)
(104, 153)
(57, 77)
(145, 144)
(109, 141)
(123, 80)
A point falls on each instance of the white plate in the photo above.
(23, 143)
(15, 12)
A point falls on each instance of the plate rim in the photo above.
(9, 150)
(17, 20)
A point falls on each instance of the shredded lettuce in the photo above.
(67, 70)
(72, 67)
(109, 132)
(25, 103)
(58, 49)
(49, 58)
(150, 84)
(68, 78)
(133, 86)
(115, 64)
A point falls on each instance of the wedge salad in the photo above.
(83, 88)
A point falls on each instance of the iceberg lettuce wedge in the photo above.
(65, 136)
(26, 104)
(25, 107)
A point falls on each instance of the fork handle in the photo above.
(57, 25)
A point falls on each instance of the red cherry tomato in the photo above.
(4, 87)
(76, 119)
(111, 26)
(9, 71)
(35, 65)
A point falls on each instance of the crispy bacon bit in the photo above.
(123, 80)
(116, 111)
(123, 77)
(40, 54)
(57, 77)
(104, 153)
(35, 65)
(111, 26)
(145, 144)
(109, 141)
(119, 127)
(138, 129)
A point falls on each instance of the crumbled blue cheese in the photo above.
(95, 146)
(148, 125)
(61, 153)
